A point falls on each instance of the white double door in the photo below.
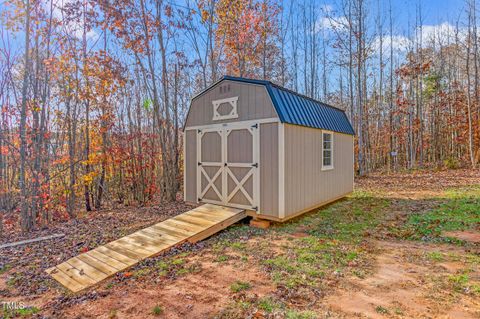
(228, 166)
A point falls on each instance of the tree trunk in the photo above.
(27, 221)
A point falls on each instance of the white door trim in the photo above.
(201, 171)
(224, 130)
(233, 124)
(281, 170)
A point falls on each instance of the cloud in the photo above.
(399, 44)
(439, 34)
(332, 24)
(443, 33)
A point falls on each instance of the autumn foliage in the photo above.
(93, 94)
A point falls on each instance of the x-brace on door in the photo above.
(228, 166)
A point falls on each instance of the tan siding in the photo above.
(306, 185)
(211, 147)
(269, 169)
(191, 166)
(253, 103)
(240, 146)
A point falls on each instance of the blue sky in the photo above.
(433, 11)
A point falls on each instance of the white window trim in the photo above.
(233, 113)
(332, 166)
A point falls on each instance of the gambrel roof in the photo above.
(298, 109)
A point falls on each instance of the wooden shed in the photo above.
(254, 145)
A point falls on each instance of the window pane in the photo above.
(327, 150)
(327, 161)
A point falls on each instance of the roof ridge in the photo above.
(268, 82)
(305, 96)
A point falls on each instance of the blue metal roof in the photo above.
(294, 108)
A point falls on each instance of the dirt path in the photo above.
(410, 280)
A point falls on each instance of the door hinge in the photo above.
(255, 165)
(255, 126)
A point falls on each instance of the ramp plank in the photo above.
(118, 265)
(66, 280)
(211, 218)
(117, 255)
(90, 268)
(97, 264)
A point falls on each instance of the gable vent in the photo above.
(224, 88)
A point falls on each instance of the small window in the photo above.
(327, 151)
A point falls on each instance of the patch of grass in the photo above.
(162, 265)
(238, 246)
(141, 272)
(27, 312)
(244, 305)
(5, 268)
(22, 312)
(476, 289)
(183, 271)
(157, 310)
(176, 266)
(238, 286)
(460, 211)
(309, 259)
(346, 220)
(398, 311)
(178, 262)
(293, 314)
(381, 310)
(359, 273)
(14, 279)
(459, 282)
(222, 258)
(435, 256)
(268, 304)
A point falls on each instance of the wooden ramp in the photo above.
(92, 267)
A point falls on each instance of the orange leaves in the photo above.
(205, 15)
(249, 30)
(4, 150)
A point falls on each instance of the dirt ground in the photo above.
(371, 266)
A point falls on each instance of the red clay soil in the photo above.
(406, 284)
(198, 295)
